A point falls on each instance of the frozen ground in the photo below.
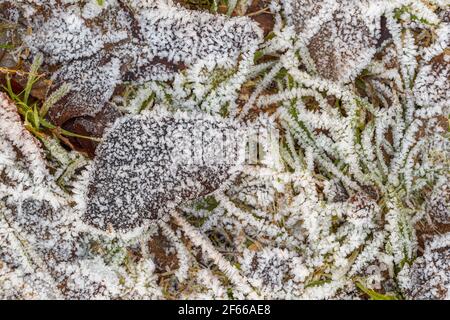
(292, 149)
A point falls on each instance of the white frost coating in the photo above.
(337, 38)
(432, 85)
(148, 163)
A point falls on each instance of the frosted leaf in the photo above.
(89, 93)
(149, 162)
(432, 85)
(95, 54)
(430, 274)
(339, 37)
(43, 247)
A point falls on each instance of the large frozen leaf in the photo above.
(432, 85)
(148, 163)
(339, 37)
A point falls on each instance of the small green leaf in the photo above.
(36, 116)
(6, 46)
(373, 294)
(258, 55)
